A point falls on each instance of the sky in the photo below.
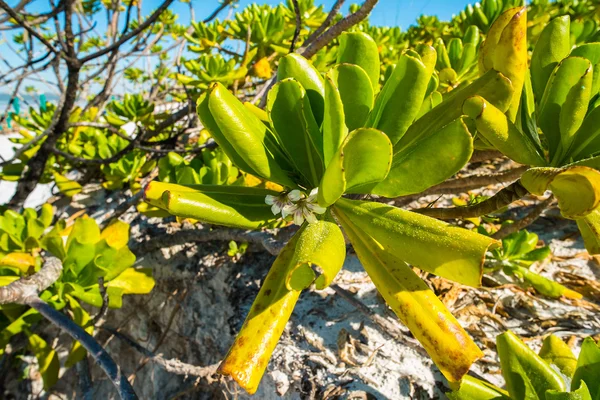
(401, 13)
(386, 12)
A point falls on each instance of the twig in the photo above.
(332, 14)
(129, 35)
(340, 27)
(525, 221)
(104, 306)
(501, 199)
(170, 365)
(216, 12)
(26, 291)
(271, 242)
(298, 25)
(462, 185)
(27, 27)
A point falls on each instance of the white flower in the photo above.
(304, 208)
(277, 203)
(296, 204)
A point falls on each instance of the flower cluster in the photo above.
(297, 204)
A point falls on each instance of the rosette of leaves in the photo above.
(20, 236)
(211, 68)
(269, 27)
(133, 108)
(553, 374)
(87, 254)
(129, 169)
(457, 62)
(518, 252)
(205, 36)
(32, 124)
(323, 137)
(311, 16)
(211, 167)
(482, 14)
(557, 96)
(427, 29)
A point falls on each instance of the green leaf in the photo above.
(320, 244)
(518, 244)
(334, 126)
(134, 281)
(412, 301)
(526, 374)
(474, 389)
(235, 206)
(582, 393)
(46, 214)
(555, 351)
(586, 141)
(242, 136)
(66, 186)
(361, 162)
(360, 49)
(589, 226)
(116, 234)
(428, 161)
(543, 285)
(505, 50)
(576, 188)
(297, 131)
(430, 102)
(81, 318)
(561, 110)
(356, 93)
(297, 67)
(498, 130)
(591, 51)
(552, 46)
(48, 364)
(398, 103)
(588, 367)
(492, 86)
(426, 243)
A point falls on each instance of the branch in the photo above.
(332, 14)
(26, 291)
(22, 290)
(501, 199)
(525, 221)
(129, 35)
(27, 27)
(269, 241)
(298, 25)
(340, 27)
(217, 11)
(170, 365)
(103, 359)
(461, 185)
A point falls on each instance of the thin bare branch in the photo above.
(129, 35)
(13, 14)
(527, 220)
(339, 28)
(332, 14)
(501, 199)
(298, 25)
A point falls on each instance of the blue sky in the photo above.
(401, 13)
(387, 12)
